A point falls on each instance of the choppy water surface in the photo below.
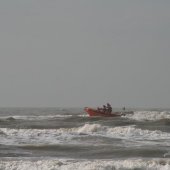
(66, 138)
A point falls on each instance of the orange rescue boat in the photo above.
(95, 112)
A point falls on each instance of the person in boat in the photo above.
(99, 109)
(109, 108)
(104, 109)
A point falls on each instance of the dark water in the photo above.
(66, 138)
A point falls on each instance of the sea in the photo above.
(68, 139)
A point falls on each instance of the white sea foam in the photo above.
(159, 164)
(148, 115)
(123, 132)
(35, 136)
(83, 115)
(66, 135)
(136, 133)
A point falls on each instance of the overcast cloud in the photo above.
(76, 53)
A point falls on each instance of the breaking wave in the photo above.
(148, 115)
(66, 135)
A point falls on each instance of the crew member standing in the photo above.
(109, 108)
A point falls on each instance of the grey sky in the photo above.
(85, 53)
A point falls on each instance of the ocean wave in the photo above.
(58, 164)
(34, 117)
(125, 132)
(3, 119)
(66, 135)
(148, 115)
(137, 115)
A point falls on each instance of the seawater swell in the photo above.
(54, 121)
(131, 141)
(138, 115)
(42, 122)
(71, 135)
